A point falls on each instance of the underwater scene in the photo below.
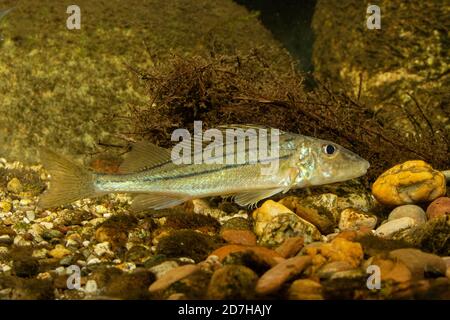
(224, 150)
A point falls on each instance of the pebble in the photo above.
(39, 253)
(439, 207)
(353, 219)
(15, 186)
(93, 260)
(59, 252)
(102, 249)
(232, 282)
(339, 249)
(333, 267)
(161, 269)
(290, 247)
(243, 237)
(30, 215)
(20, 241)
(267, 255)
(5, 239)
(389, 228)
(47, 225)
(5, 206)
(91, 286)
(274, 223)
(409, 210)
(419, 262)
(72, 243)
(275, 277)
(396, 271)
(324, 223)
(410, 182)
(305, 289)
(172, 276)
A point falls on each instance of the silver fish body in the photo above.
(150, 172)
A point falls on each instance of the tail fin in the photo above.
(69, 181)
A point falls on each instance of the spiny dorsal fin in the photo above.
(144, 155)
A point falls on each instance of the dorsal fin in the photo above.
(144, 155)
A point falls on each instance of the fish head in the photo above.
(326, 162)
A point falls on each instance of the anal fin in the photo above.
(154, 201)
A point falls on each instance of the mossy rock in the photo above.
(187, 243)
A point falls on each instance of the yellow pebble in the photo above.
(410, 182)
(5, 206)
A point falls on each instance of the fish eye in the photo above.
(329, 149)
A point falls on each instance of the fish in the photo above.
(157, 181)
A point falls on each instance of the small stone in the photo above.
(5, 206)
(333, 267)
(103, 248)
(25, 267)
(39, 253)
(232, 282)
(161, 269)
(100, 209)
(30, 215)
(290, 247)
(339, 249)
(395, 271)
(93, 260)
(324, 223)
(59, 252)
(267, 255)
(305, 289)
(243, 237)
(20, 241)
(274, 223)
(409, 210)
(438, 208)
(420, 263)
(47, 225)
(14, 185)
(410, 182)
(389, 228)
(172, 276)
(274, 278)
(6, 239)
(353, 219)
(67, 260)
(51, 234)
(91, 286)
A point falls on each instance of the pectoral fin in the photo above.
(154, 201)
(251, 198)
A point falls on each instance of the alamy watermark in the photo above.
(374, 18)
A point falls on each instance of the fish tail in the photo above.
(69, 181)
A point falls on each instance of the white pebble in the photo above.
(411, 211)
(60, 270)
(93, 260)
(102, 248)
(30, 215)
(47, 225)
(91, 286)
(6, 268)
(387, 229)
(86, 243)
